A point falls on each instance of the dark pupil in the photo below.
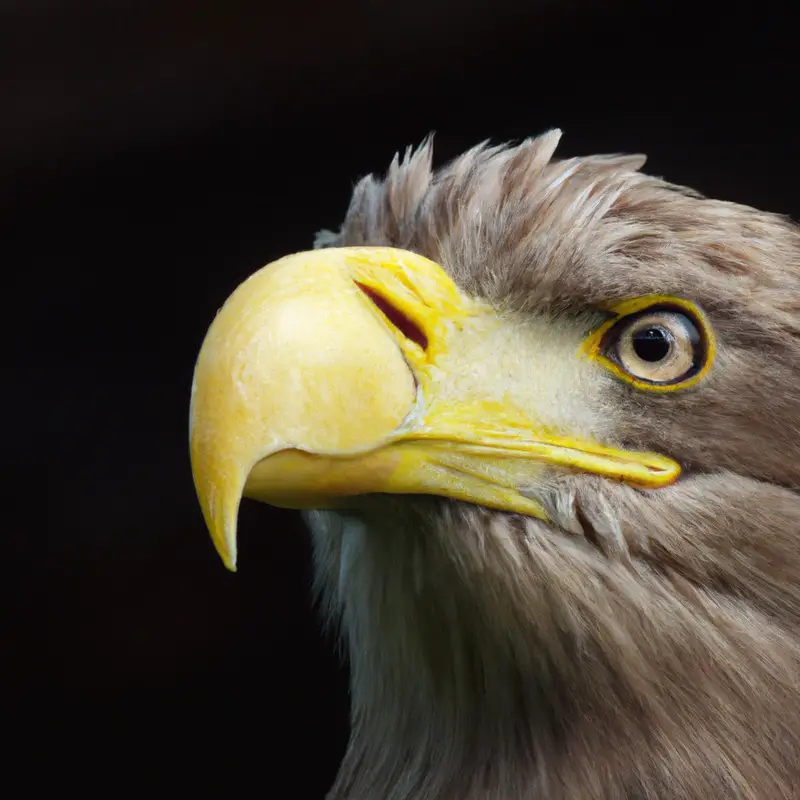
(651, 344)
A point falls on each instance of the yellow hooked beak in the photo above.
(343, 372)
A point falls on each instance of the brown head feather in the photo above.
(641, 645)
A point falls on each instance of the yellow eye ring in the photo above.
(679, 344)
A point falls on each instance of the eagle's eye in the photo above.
(656, 343)
(660, 346)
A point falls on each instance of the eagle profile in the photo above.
(541, 418)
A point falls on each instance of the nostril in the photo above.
(406, 326)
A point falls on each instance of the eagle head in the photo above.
(541, 417)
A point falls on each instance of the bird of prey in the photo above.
(542, 419)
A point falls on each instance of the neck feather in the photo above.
(492, 658)
(444, 701)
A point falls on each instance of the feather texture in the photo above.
(640, 645)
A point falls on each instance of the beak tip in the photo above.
(223, 537)
(227, 552)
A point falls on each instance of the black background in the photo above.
(152, 155)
